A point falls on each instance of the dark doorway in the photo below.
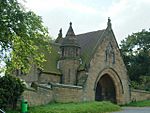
(105, 89)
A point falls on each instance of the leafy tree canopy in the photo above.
(22, 36)
(136, 54)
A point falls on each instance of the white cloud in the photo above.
(124, 7)
(127, 15)
(50, 5)
(116, 8)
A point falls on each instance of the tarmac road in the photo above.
(134, 110)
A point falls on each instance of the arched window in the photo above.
(62, 52)
(109, 54)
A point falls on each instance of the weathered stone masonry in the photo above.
(53, 93)
(82, 67)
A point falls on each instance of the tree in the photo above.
(11, 89)
(136, 54)
(23, 38)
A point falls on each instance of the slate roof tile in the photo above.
(87, 42)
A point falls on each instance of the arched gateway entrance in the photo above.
(108, 86)
(105, 89)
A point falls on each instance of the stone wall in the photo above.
(53, 93)
(69, 68)
(67, 93)
(139, 95)
(38, 97)
(48, 77)
(32, 76)
(81, 78)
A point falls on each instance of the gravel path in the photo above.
(134, 110)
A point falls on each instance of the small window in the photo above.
(106, 55)
(80, 61)
(62, 52)
(58, 65)
(113, 58)
(69, 75)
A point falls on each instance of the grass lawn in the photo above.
(145, 103)
(86, 107)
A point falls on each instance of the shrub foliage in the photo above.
(136, 54)
(11, 89)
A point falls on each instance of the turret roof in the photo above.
(70, 39)
(87, 41)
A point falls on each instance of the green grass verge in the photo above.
(86, 107)
(145, 103)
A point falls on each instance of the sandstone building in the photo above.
(84, 67)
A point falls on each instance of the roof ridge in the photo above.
(90, 32)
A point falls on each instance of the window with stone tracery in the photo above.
(109, 54)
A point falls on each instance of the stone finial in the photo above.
(60, 33)
(70, 31)
(109, 23)
(70, 38)
(59, 36)
(70, 24)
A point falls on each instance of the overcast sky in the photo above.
(127, 16)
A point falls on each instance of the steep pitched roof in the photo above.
(50, 65)
(88, 42)
(70, 39)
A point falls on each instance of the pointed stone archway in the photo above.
(105, 89)
(108, 86)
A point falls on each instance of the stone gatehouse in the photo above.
(83, 67)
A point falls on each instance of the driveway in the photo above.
(134, 110)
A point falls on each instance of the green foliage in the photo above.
(136, 54)
(143, 84)
(145, 103)
(22, 37)
(11, 89)
(87, 107)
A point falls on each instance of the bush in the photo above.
(11, 89)
(144, 83)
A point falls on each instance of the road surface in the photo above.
(134, 110)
